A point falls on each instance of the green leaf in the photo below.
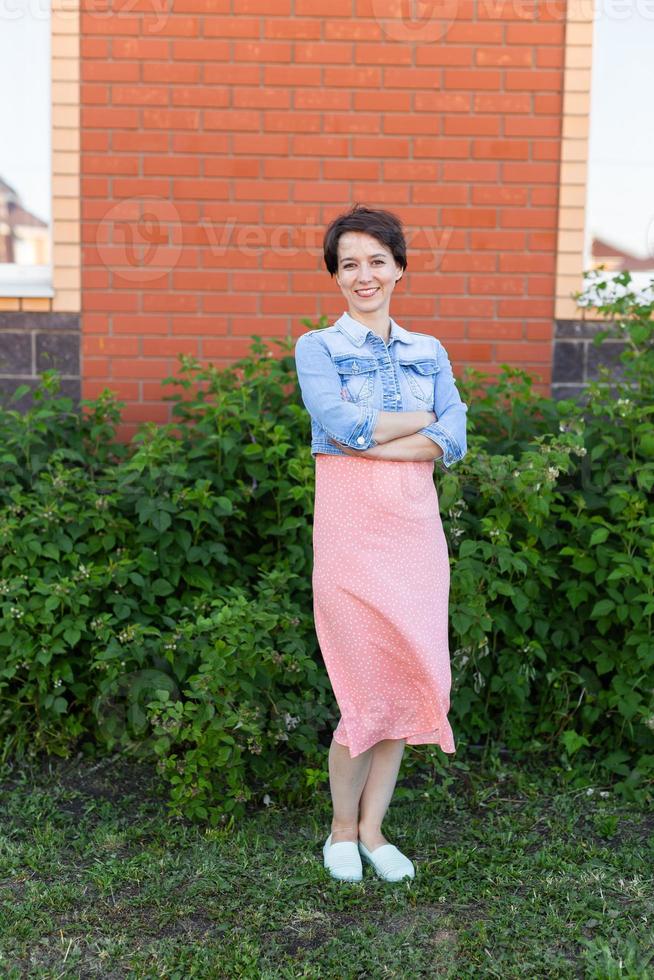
(161, 520)
(467, 547)
(602, 608)
(573, 741)
(161, 587)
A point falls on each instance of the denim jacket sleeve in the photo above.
(449, 431)
(347, 422)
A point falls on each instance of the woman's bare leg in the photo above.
(378, 790)
(347, 778)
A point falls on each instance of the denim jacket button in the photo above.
(360, 439)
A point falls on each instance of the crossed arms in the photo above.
(397, 436)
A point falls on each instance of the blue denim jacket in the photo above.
(347, 375)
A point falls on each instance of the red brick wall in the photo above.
(219, 139)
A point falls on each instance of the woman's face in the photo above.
(367, 272)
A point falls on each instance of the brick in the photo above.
(157, 71)
(500, 195)
(322, 8)
(525, 307)
(472, 125)
(171, 346)
(108, 164)
(498, 240)
(469, 217)
(502, 56)
(295, 28)
(169, 303)
(533, 80)
(140, 95)
(231, 120)
(140, 49)
(497, 285)
(442, 101)
(472, 79)
(446, 55)
(495, 330)
(94, 141)
(501, 149)
(139, 325)
(129, 367)
(201, 50)
(92, 95)
(173, 166)
(536, 34)
(264, 51)
(149, 142)
(111, 346)
(528, 218)
(94, 118)
(520, 103)
(471, 171)
(280, 8)
(441, 148)
(540, 127)
(533, 353)
(110, 71)
(170, 119)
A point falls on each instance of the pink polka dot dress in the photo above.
(381, 580)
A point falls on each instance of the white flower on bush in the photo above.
(552, 472)
(16, 612)
(290, 721)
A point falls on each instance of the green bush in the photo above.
(155, 598)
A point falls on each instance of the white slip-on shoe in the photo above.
(343, 860)
(389, 863)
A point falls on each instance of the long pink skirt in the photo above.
(381, 581)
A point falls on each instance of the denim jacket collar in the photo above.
(357, 332)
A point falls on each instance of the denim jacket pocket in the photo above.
(421, 376)
(357, 374)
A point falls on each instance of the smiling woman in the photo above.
(383, 405)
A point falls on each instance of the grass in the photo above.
(517, 876)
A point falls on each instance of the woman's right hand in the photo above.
(432, 417)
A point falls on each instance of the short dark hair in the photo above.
(385, 226)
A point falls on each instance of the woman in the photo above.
(384, 406)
